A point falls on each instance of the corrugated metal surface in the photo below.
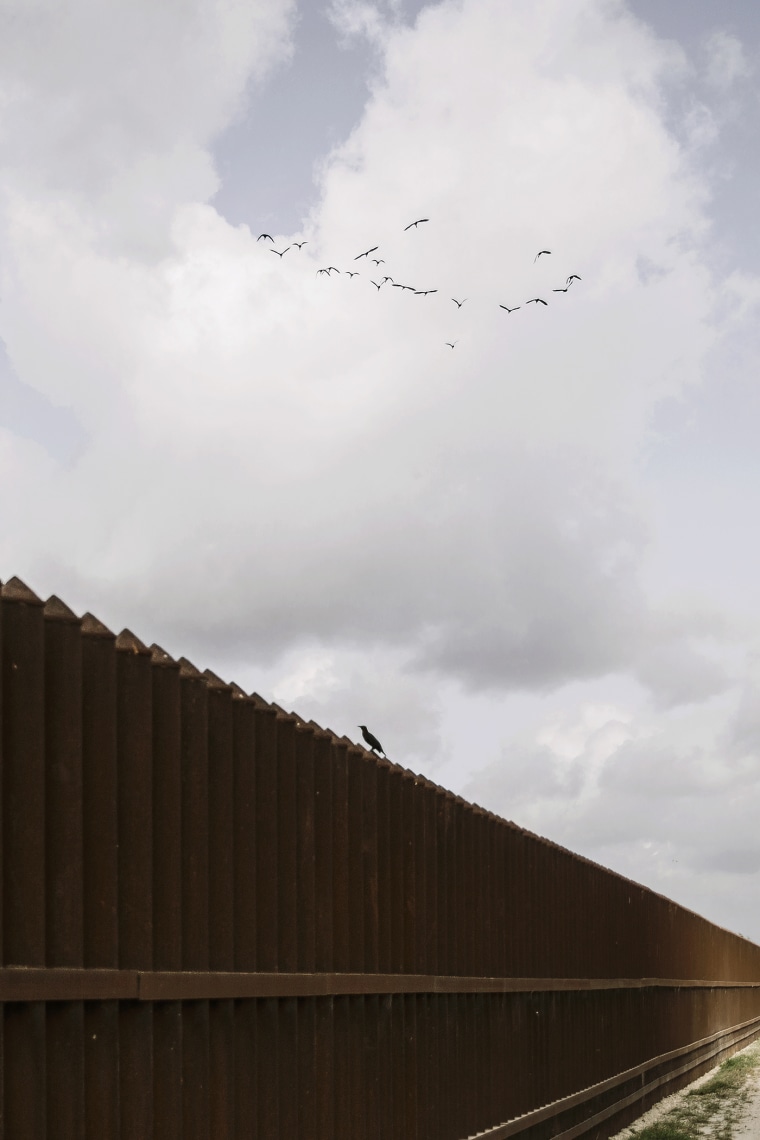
(219, 921)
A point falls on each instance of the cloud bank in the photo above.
(293, 474)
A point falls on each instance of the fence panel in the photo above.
(218, 921)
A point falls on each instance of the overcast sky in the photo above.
(529, 563)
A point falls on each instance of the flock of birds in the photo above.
(386, 280)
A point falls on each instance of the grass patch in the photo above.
(711, 1111)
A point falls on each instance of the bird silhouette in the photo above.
(354, 273)
(387, 279)
(379, 260)
(409, 287)
(561, 290)
(535, 259)
(367, 252)
(450, 344)
(536, 301)
(371, 740)
(264, 236)
(513, 310)
(458, 303)
(417, 223)
(298, 244)
(323, 271)
(280, 254)
(573, 277)
(376, 284)
(424, 292)
(330, 268)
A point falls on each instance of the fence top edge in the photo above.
(128, 642)
(15, 590)
(56, 610)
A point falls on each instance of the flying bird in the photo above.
(536, 301)
(371, 740)
(561, 290)
(450, 344)
(417, 223)
(264, 236)
(298, 244)
(458, 303)
(331, 267)
(280, 254)
(573, 277)
(409, 287)
(354, 273)
(379, 260)
(514, 310)
(424, 292)
(535, 259)
(367, 252)
(376, 284)
(387, 279)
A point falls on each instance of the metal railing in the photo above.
(219, 921)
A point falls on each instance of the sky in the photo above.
(527, 562)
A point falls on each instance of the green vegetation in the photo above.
(711, 1111)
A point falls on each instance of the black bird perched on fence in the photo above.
(372, 741)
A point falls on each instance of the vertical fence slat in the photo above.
(306, 898)
(221, 824)
(135, 870)
(167, 889)
(195, 894)
(63, 864)
(100, 844)
(340, 866)
(287, 827)
(244, 828)
(356, 893)
(23, 869)
(221, 790)
(367, 768)
(267, 868)
(323, 854)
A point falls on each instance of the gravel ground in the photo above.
(749, 1129)
(747, 1126)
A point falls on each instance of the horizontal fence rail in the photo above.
(217, 920)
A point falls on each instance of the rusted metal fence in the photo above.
(220, 922)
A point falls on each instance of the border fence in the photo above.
(218, 921)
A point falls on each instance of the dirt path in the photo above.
(723, 1104)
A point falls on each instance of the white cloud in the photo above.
(726, 60)
(294, 475)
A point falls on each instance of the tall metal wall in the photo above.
(218, 921)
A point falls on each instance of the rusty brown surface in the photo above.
(217, 920)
